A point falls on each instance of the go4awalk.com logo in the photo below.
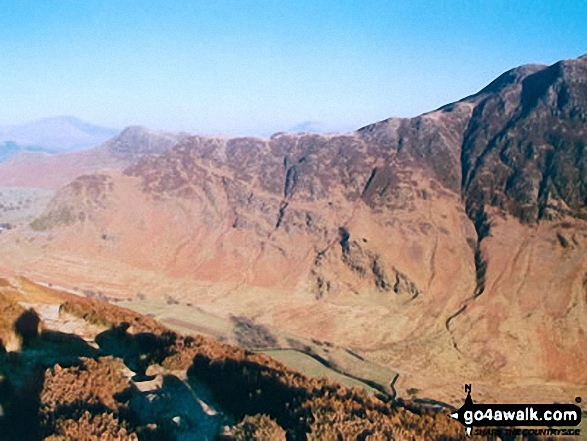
(509, 417)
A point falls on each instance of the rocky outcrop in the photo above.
(76, 202)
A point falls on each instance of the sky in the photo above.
(261, 66)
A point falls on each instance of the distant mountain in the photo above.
(308, 127)
(318, 127)
(39, 170)
(52, 135)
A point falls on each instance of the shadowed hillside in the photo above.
(88, 370)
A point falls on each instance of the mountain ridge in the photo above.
(425, 243)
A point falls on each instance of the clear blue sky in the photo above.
(257, 66)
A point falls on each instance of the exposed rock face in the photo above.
(456, 238)
(524, 146)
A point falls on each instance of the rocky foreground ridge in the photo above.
(451, 244)
(78, 369)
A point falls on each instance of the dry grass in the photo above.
(89, 401)
(102, 427)
(249, 384)
(309, 366)
(94, 383)
(100, 313)
(193, 320)
(258, 427)
(67, 395)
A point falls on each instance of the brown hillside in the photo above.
(69, 392)
(449, 247)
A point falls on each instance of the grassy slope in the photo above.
(243, 383)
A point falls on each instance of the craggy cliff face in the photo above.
(451, 242)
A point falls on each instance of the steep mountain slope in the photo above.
(524, 186)
(54, 171)
(530, 137)
(522, 180)
(450, 246)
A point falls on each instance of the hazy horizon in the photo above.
(264, 66)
